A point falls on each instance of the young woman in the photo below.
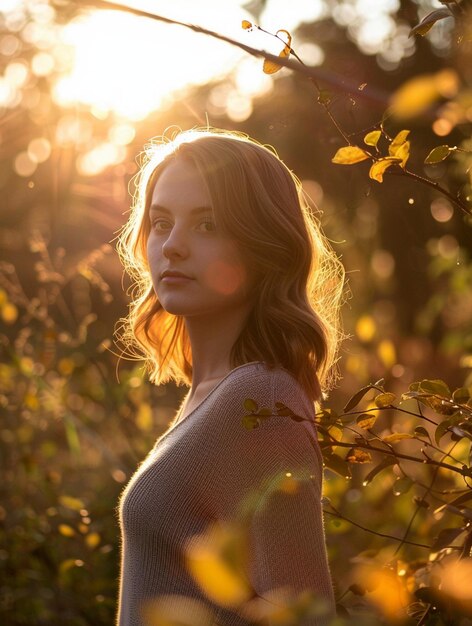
(237, 295)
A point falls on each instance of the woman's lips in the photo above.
(175, 280)
(174, 277)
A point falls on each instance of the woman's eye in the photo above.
(160, 224)
(208, 226)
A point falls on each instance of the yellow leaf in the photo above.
(66, 565)
(372, 138)
(403, 153)
(366, 420)
(348, 155)
(269, 67)
(71, 503)
(66, 366)
(66, 530)
(384, 588)
(419, 93)
(211, 561)
(92, 540)
(356, 455)
(246, 25)
(378, 169)
(9, 313)
(26, 365)
(31, 401)
(456, 579)
(397, 437)
(336, 432)
(400, 148)
(144, 417)
(398, 141)
(384, 399)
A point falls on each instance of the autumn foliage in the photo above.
(396, 435)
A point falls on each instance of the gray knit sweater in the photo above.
(209, 470)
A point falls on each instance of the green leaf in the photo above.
(282, 409)
(250, 405)
(387, 462)
(325, 96)
(297, 418)
(457, 503)
(356, 398)
(436, 386)
(72, 435)
(445, 538)
(384, 399)
(441, 430)
(327, 416)
(438, 154)
(429, 21)
(348, 155)
(335, 463)
(420, 431)
(462, 395)
(250, 422)
(424, 504)
(402, 485)
(372, 138)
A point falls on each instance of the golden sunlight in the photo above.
(133, 65)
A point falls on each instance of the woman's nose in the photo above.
(175, 244)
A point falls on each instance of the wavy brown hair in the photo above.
(295, 320)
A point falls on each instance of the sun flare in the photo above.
(133, 65)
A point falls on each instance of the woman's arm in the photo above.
(276, 469)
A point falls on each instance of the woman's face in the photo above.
(184, 238)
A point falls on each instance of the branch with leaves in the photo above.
(397, 152)
(441, 415)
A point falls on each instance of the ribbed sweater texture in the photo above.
(207, 470)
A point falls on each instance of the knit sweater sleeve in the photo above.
(276, 469)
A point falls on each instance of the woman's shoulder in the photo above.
(268, 384)
(265, 407)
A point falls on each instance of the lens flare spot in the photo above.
(224, 277)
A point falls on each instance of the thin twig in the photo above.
(338, 83)
(336, 513)
(430, 183)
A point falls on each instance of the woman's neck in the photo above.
(212, 339)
